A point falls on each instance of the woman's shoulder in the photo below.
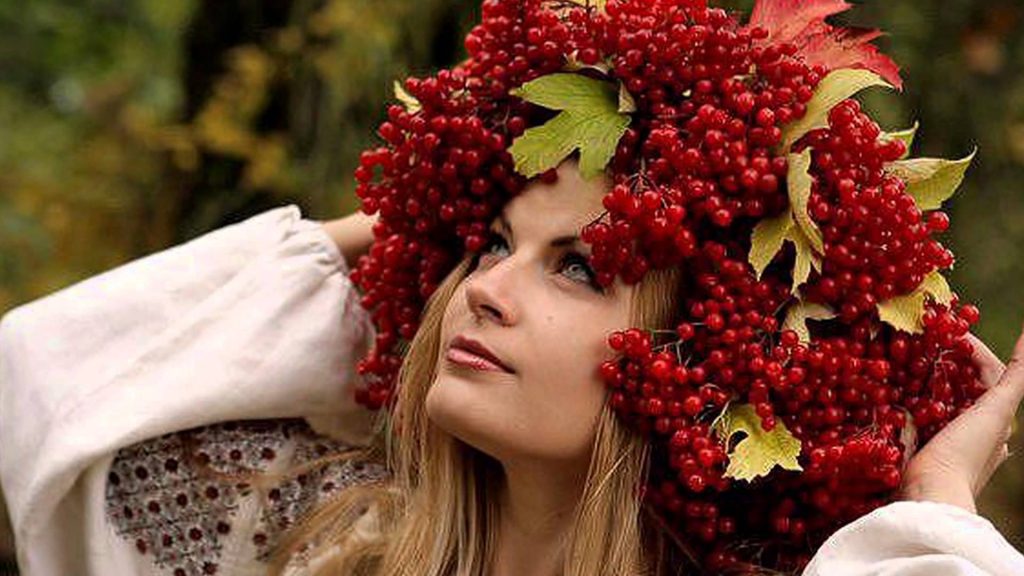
(224, 495)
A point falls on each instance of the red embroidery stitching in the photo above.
(179, 509)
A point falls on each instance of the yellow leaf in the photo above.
(907, 136)
(599, 4)
(931, 181)
(833, 89)
(936, 285)
(758, 452)
(573, 64)
(798, 314)
(627, 105)
(799, 181)
(805, 257)
(767, 240)
(412, 105)
(904, 312)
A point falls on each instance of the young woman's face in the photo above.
(532, 300)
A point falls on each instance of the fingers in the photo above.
(1010, 389)
(990, 365)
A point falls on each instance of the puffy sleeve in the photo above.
(917, 539)
(256, 320)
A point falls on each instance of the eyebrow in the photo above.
(557, 242)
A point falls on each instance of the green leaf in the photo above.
(767, 239)
(758, 452)
(412, 105)
(571, 92)
(904, 312)
(935, 284)
(590, 121)
(931, 181)
(799, 182)
(798, 314)
(833, 89)
(907, 136)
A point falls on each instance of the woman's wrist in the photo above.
(352, 234)
(952, 493)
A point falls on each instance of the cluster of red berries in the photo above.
(698, 168)
(878, 244)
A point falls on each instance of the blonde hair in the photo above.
(434, 516)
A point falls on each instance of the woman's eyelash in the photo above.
(494, 238)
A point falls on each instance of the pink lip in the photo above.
(472, 354)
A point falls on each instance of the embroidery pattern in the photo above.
(174, 498)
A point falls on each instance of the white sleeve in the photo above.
(252, 321)
(917, 539)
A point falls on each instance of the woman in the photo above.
(508, 460)
(162, 345)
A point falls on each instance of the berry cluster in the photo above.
(699, 166)
(878, 243)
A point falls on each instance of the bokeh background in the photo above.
(128, 126)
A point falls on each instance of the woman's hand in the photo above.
(958, 462)
(353, 234)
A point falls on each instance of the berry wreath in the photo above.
(734, 149)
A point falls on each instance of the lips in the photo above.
(476, 348)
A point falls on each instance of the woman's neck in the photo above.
(536, 509)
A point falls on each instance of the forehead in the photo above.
(563, 207)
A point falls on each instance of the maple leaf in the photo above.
(758, 452)
(590, 120)
(802, 23)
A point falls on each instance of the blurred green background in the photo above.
(128, 126)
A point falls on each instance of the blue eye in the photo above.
(576, 264)
(578, 268)
(493, 240)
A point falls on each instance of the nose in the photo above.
(488, 293)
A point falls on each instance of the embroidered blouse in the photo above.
(134, 404)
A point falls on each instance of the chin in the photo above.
(465, 415)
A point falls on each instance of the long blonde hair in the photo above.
(435, 515)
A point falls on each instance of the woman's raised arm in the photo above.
(353, 234)
(256, 320)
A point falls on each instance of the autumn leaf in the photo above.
(794, 226)
(907, 136)
(599, 4)
(589, 120)
(799, 313)
(767, 240)
(833, 89)
(627, 105)
(799, 183)
(759, 452)
(412, 105)
(935, 285)
(806, 258)
(573, 64)
(904, 312)
(931, 181)
(802, 23)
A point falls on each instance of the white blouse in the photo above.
(236, 352)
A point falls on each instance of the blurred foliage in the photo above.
(127, 126)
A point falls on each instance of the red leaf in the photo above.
(802, 23)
